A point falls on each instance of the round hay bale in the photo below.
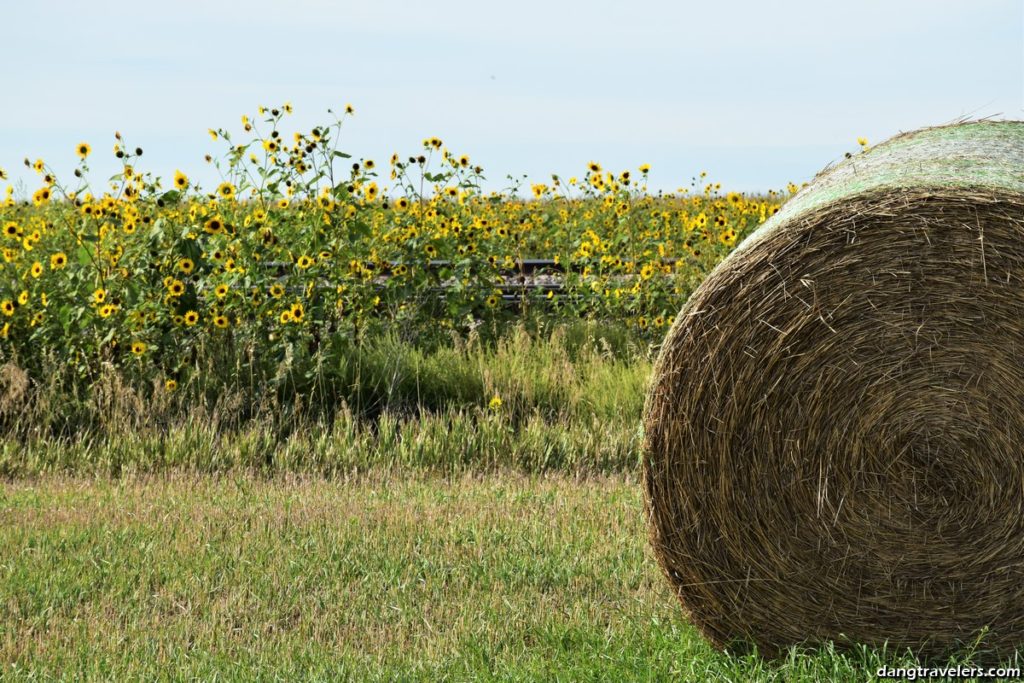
(834, 432)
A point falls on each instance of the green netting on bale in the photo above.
(987, 154)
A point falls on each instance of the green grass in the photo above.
(447, 442)
(377, 577)
(569, 403)
(577, 371)
(384, 522)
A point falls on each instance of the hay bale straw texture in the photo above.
(834, 432)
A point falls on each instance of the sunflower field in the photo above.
(302, 250)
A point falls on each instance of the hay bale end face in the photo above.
(834, 436)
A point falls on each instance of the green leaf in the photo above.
(361, 228)
(191, 249)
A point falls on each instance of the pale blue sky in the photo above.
(755, 93)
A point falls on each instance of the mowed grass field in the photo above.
(502, 576)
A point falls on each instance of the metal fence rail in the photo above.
(519, 281)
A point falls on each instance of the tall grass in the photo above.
(566, 400)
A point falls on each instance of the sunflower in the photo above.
(298, 312)
(37, 269)
(226, 191)
(99, 295)
(191, 318)
(11, 229)
(220, 291)
(304, 262)
(286, 317)
(180, 180)
(282, 203)
(138, 348)
(214, 226)
(107, 310)
(23, 297)
(7, 307)
(492, 300)
(170, 385)
(276, 291)
(186, 265)
(83, 149)
(221, 321)
(176, 288)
